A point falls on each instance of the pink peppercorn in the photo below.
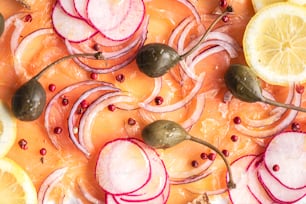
(225, 19)
(120, 78)
(223, 3)
(234, 138)
(65, 101)
(158, 100)
(52, 87)
(131, 121)
(194, 163)
(23, 144)
(43, 151)
(93, 76)
(203, 155)
(275, 167)
(225, 152)
(211, 156)
(237, 120)
(58, 130)
(111, 107)
(84, 104)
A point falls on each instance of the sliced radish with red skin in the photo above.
(122, 167)
(81, 8)
(159, 178)
(129, 25)
(254, 185)
(71, 28)
(109, 199)
(278, 192)
(241, 194)
(68, 7)
(288, 151)
(108, 14)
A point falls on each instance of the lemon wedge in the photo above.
(7, 129)
(258, 4)
(300, 2)
(274, 43)
(16, 186)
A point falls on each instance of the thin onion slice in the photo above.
(178, 104)
(72, 114)
(89, 115)
(263, 133)
(49, 183)
(52, 106)
(21, 49)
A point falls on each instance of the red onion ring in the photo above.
(74, 109)
(54, 138)
(178, 104)
(259, 133)
(19, 25)
(49, 183)
(89, 115)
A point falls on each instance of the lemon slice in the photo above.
(7, 129)
(274, 43)
(300, 2)
(258, 4)
(16, 186)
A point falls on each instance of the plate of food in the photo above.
(152, 101)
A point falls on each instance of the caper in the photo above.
(156, 59)
(165, 133)
(2, 21)
(243, 83)
(29, 100)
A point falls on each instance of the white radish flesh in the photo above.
(288, 151)
(122, 167)
(80, 7)
(68, 7)
(241, 194)
(70, 28)
(254, 185)
(107, 14)
(278, 192)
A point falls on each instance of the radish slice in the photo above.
(108, 14)
(254, 185)
(241, 194)
(68, 7)
(70, 28)
(80, 7)
(129, 24)
(122, 167)
(287, 150)
(158, 181)
(278, 192)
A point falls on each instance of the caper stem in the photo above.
(96, 55)
(230, 184)
(288, 106)
(227, 11)
(2, 22)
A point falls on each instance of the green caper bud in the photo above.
(29, 101)
(2, 21)
(163, 134)
(243, 83)
(156, 59)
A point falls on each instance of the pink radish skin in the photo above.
(68, 7)
(159, 178)
(122, 167)
(287, 150)
(241, 194)
(108, 14)
(81, 8)
(278, 192)
(70, 28)
(254, 186)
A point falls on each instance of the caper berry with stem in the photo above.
(243, 83)
(165, 133)
(29, 100)
(155, 59)
(2, 22)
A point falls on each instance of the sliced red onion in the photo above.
(48, 120)
(72, 114)
(179, 104)
(71, 28)
(21, 49)
(157, 87)
(209, 192)
(19, 25)
(89, 115)
(10, 22)
(263, 133)
(49, 183)
(197, 112)
(227, 97)
(190, 179)
(177, 30)
(193, 10)
(275, 114)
